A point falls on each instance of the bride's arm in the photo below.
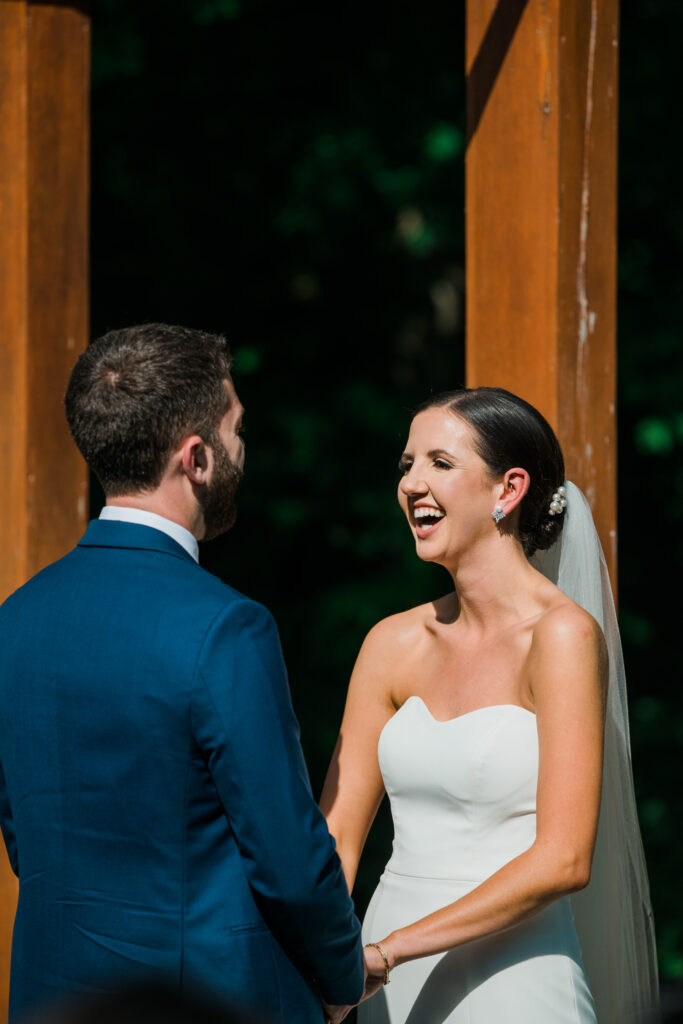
(353, 788)
(567, 675)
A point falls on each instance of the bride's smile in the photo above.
(426, 519)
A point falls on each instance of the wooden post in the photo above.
(541, 223)
(44, 177)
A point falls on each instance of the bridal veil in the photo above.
(613, 914)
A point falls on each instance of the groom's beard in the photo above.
(218, 498)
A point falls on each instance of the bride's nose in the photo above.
(412, 484)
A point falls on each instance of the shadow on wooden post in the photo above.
(541, 173)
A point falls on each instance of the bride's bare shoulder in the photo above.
(565, 632)
(564, 619)
(401, 635)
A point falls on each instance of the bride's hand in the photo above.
(375, 971)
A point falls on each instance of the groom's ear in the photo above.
(195, 459)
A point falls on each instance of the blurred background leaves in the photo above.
(291, 174)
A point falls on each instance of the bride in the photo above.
(495, 719)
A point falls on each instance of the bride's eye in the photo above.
(403, 466)
(442, 464)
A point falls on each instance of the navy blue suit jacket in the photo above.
(153, 794)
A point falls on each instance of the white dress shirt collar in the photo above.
(143, 518)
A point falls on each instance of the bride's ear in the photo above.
(514, 486)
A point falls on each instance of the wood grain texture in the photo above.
(58, 116)
(541, 223)
(44, 177)
(13, 289)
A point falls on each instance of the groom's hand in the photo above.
(372, 985)
(335, 1014)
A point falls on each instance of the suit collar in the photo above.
(144, 517)
(109, 533)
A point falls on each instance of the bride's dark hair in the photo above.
(510, 432)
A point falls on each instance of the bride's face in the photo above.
(446, 491)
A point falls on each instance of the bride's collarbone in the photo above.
(454, 678)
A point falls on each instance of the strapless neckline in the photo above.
(466, 714)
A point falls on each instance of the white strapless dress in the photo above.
(463, 800)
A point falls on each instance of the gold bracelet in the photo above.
(376, 945)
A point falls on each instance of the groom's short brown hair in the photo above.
(135, 393)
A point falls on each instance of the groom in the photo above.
(153, 794)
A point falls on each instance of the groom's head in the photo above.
(145, 400)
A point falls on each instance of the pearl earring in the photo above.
(498, 513)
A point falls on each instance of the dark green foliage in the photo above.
(292, 174)
(651, 442)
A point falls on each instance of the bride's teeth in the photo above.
(422, 513)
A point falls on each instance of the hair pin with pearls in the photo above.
(559, 502)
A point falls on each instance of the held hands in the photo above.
(377, 969)
(336, 1014)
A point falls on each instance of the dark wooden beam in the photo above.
(44, 186)
(541, 223)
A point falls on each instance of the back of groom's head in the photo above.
(135, 393)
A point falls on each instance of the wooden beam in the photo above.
(541, 223)
(44, 178)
